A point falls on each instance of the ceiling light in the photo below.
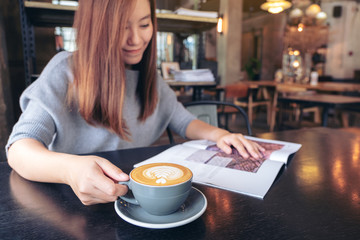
(296, 13)
(275, 6)
(312, 10)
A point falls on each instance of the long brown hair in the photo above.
(99, 70)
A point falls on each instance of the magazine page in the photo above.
(280, 150)
(275, 150)
(212, 166)
(200, 144)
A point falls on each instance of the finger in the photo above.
(94, 195)
(251, 147)
(91, 200)
(111, 170)
(239, 146)
(119, 190)
(224, 146)
(262, 149)
(89, 195)
(233, 140)
(98, 180)
(95, 198)
(108, 186)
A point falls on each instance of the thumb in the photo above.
(112, 171)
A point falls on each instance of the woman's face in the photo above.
(138, 33)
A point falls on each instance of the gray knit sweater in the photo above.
(47, 118)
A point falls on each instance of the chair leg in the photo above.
(273, 109)
(297, 113)
(300, 118)
(250, 114)
(250, 106)
(268, 114)
(281, 113)
(317, 116)
(345, 119)
(233, 117)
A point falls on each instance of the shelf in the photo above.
(43, 14)
(170, 22)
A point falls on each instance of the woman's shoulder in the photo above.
(61, 61)
(59, 68)
(61, 56)
(54, 79)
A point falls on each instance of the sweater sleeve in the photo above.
(41, 101)
(36, 123)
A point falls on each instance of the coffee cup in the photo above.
(159, 188)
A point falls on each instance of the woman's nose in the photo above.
(133, 37)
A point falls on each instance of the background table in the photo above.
(317, 196)
(320, 86)
(326, 101)
(267, 86)
(197, 86)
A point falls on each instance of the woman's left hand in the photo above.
(245, 147)
(224, 139)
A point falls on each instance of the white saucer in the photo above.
(194, 206)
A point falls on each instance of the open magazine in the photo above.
(211, 166)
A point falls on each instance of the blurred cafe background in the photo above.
(208, 49)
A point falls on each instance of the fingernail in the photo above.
(123, 176)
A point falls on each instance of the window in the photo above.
(65, 36)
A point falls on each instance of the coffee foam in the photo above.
(161, 174)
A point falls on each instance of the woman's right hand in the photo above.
(94, 180)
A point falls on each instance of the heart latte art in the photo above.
(161, 174)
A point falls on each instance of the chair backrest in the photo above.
(236, 90)
(207, 111)
(199, 108)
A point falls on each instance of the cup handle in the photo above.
(129, 197)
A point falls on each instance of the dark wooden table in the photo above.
(327, 101)
(317, 196)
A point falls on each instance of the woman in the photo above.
(105, 96)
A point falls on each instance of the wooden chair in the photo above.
(294, 111)
(350, 114)
(210, 112)
(243, 96)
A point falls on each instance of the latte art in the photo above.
(161, 174)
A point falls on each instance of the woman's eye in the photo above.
(145, 25)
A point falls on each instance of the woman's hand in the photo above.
(200, 130)
(245, 147)
(94, 180)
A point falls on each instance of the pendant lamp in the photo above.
(275, 6)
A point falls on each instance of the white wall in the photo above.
(343, 56)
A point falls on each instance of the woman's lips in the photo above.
(132, 51)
